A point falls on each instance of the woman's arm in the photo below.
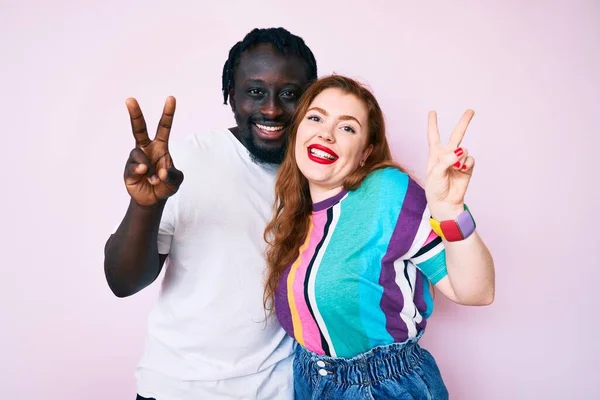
(471, 276)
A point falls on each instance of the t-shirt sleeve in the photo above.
(426, 250)
(179, 150)
(431, 258)
(166, 228)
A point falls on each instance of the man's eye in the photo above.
(288, 94)
(255, 92)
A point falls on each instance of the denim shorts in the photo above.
(396, 371)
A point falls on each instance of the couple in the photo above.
(354, 244)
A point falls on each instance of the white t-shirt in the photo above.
(207, 336)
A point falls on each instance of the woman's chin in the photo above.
(317, 178)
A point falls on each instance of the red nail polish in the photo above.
(457, 164)
(459, 152)
(464, 167)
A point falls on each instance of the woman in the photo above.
(355, 244)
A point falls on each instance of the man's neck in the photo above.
(235, 131)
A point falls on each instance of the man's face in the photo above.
(267, 87)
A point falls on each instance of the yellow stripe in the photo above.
(298, 335)
(435, 225)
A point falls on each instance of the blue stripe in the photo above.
(428, 299)
(434, 268)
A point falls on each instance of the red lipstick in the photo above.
(321, 154)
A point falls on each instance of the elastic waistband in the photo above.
(380, 363)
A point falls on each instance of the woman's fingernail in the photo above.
(457, 164)
(459, 152)
(464, 166)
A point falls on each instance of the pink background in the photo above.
(526, 67)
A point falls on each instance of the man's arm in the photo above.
(131, 259)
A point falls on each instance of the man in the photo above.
(208, 337)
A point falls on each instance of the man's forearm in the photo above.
(131, 259)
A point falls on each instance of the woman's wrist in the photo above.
(456, 228)
(442, 212)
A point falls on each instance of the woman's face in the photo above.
(331, 141)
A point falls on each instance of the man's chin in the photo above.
(267, 154)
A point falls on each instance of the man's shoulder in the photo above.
(205, 141)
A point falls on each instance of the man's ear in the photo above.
(231, 99)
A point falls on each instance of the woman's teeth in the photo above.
(321, 154)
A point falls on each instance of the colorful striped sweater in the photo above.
(362, 276)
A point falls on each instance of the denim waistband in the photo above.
(379, 363)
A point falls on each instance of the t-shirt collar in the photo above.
(327, 203)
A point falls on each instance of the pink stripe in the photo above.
(432, 236)
(312, 338)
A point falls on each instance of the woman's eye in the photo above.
(314, 118)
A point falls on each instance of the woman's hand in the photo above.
(449, 169)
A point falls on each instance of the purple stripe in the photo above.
(324, 204)
(392, 302)
(282, 308)
(405, 231)
(419, 299)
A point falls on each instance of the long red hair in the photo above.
(288, 228)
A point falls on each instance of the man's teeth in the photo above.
(321, 154)
(270, 128)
